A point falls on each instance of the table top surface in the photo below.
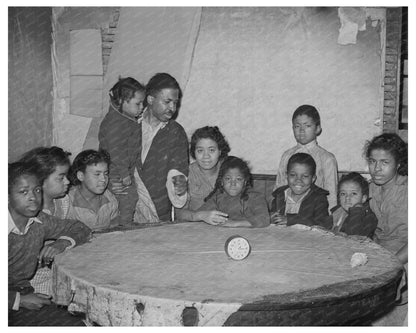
(187, 261)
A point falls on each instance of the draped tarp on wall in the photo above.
(244, 69)
(253, 67)
(30, 79)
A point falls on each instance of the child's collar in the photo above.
(308, 145)
(113, 107)
(14, 229)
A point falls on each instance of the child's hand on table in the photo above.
(49, 251)
(213, 217)
(279, 219)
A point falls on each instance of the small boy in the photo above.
(28, 229)
(301, 201)
(353, 216)
(306, 124)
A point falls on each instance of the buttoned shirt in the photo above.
(292, 206)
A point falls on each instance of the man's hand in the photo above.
(34, 301)
(127, 181)
(116, 186)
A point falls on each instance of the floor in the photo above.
(50, 315)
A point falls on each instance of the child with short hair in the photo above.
(301, 201)
(233, 195)
(354, 216)
(306, 124)
(28, 229)
(53, 164)
(119, 134)
(90, 200)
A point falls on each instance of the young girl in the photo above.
(301, 201)
(387, 161)
(52, 164)
(90, 201)
(209, 148)
(353, 216)
(233, 196)
(119, 135)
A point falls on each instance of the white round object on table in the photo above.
(237, 247)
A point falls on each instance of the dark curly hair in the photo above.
(232, 162)
(356, 178)
(392, 143)
(302, 158)
(46, 159)
(19, 169)
(85, 158)
(213, 133)
(124, 90)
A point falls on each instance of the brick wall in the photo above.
(108, 35)
(392, 68)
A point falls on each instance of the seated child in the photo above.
(353, 216)
(119, 135)
(233, 195)
(387, 158)
(28, 229)
(300, 202)
(53, 165)
(306, 124)
(90, 201)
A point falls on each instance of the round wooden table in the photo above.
(178, 274)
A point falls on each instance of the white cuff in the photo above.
(68, 239)
(178, 201)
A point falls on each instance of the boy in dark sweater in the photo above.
(301, 201)
(354, 216)
(28, 229)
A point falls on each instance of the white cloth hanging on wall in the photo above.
(86, 73)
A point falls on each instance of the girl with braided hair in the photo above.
(119, 134)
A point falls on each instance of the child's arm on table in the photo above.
(68, 233)
(208, 213)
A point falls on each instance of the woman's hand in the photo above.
(34, 301)
(279, 219)
(180, 184)
(213, 217)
